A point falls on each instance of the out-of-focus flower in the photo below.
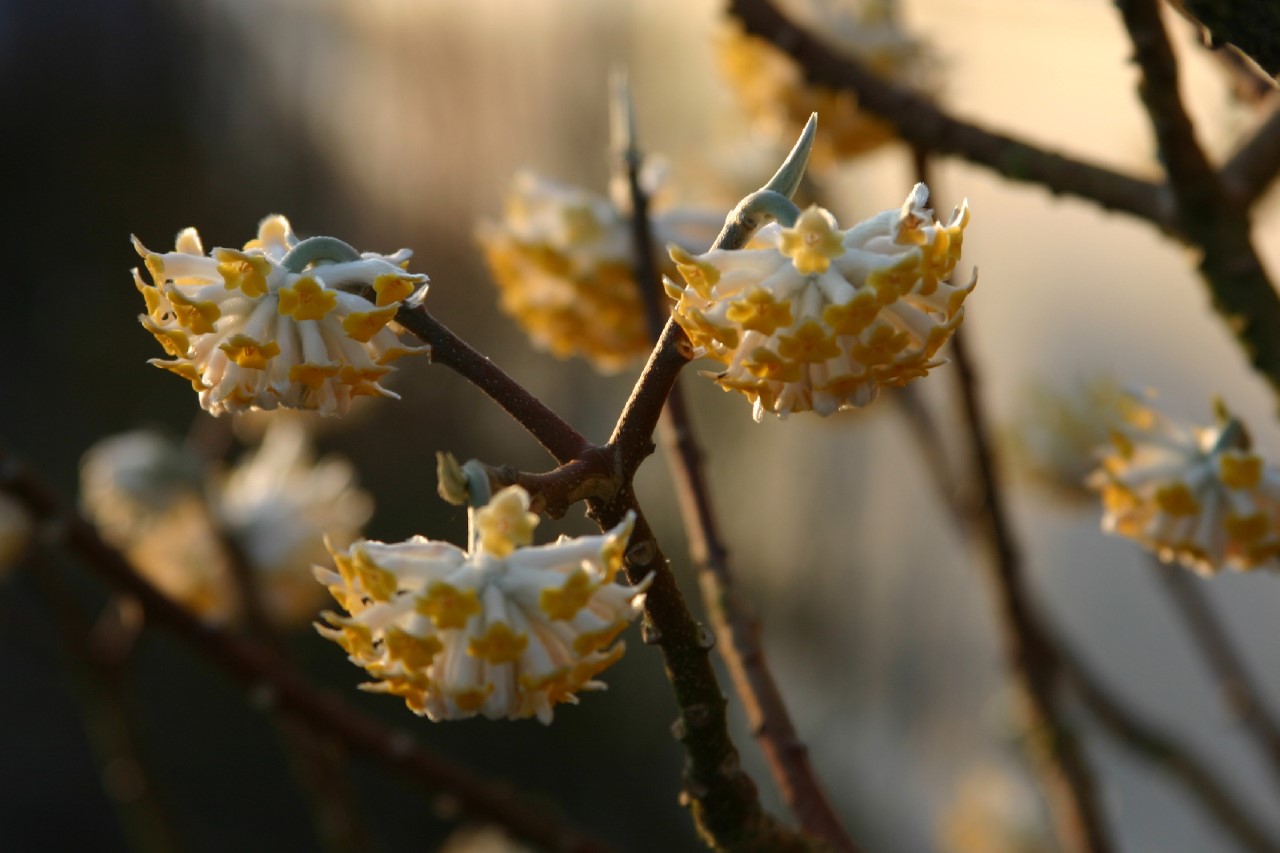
(264, 327)
(562, 259)
(775, 94)
(15, 531)
(504, 629)
(819, 318)
(1056, 436)
(156, 501)
(1197, 495)
(992, 812)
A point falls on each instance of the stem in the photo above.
(736, 628)
(1239, 691)
(257, 669)
(1253, 167)
(1241, 291)
(922, 124)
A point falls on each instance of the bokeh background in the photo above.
(396, 123)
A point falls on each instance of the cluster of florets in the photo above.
(272, 326)
(1197, 495)
(812, 317)
(505, 629)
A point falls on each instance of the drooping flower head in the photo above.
(562, 260)
(276, 324)
(1197, 495)
(818, 318)
(505, 629)
(160, 504)
(773, 90)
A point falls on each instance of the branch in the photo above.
(256, 669)
(736, 628)
(1251, 170)
(922, 124)
(1239, 691)
(561, 440)
(1241, 291)
(1074, 801)
(1164, 751)
(1249, 25)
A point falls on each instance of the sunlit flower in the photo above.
(1198, 495)
(156, 501)
(262, 328)
(506, 629)
(774, 92)
(562, 260)
(819, 318)
(15, 531)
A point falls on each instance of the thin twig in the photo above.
(102, 670)
(260, 671)
(923, 124)
(1239, 691)
(1241, 291)
(736, 627)
(1169, 755)
(1251, 170)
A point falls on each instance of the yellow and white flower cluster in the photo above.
(1197, 495)
(250, 332)
(818, 318)
(563, 263)
(775, 94)
(506, 629)
(154, 499)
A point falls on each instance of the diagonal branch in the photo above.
(922, 124)
(1241, 291)
(259, 669)
(1252, 169)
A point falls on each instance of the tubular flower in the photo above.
(506, 629)
(773, 90)
(817, 318)
(156, 501)
(1197, 495)
(562, 260)
(261, 329)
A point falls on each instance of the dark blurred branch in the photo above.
(260, 670)
(1239, 691)
(1241, 291)
(100, 655)
(736, 628)
(1252, 26)
(923, 124)
(1253, 167)
(1167, 754)
(1072, 793)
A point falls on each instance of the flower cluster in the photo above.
(505, 629)
(816, 318)
(562, 259)
(774, 92)
(272, 325)
(155, 500)
(1197, 495)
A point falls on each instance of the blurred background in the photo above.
(393, 123)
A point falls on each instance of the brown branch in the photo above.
(259, 670)
(1250, 25)
(1239, 691)
(1165, 752)
(736, 628)
(1241, 291)
(561, 440)
(1073, 797)
(1251, 170)
(922, 124)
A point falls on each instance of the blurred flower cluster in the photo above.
(182, 523)
(505, 629)
(812, 317)
(773, 91)
(275, 324)
(563, 261)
